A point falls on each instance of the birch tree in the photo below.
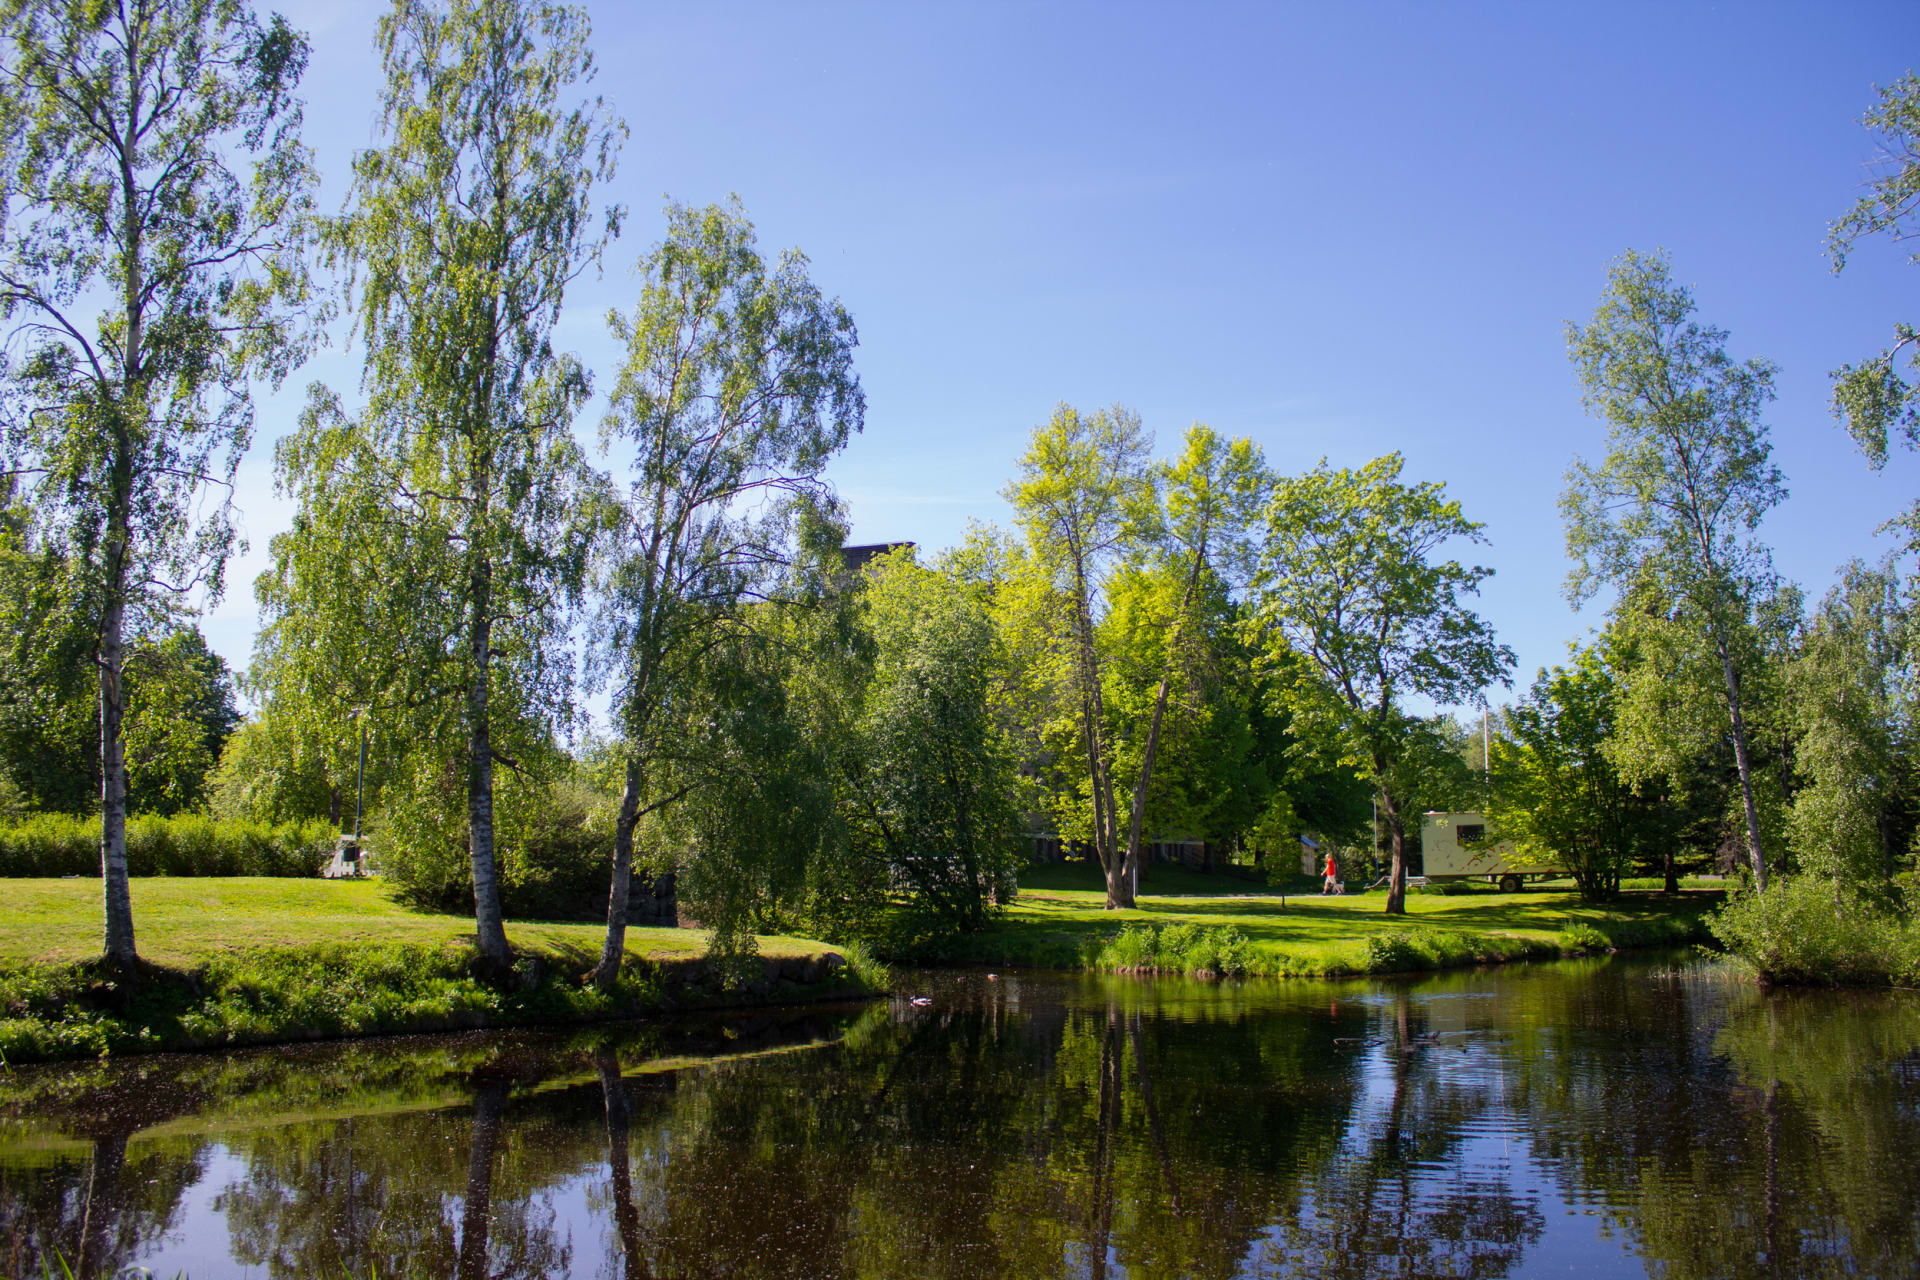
(154, 196)
(443, 526)
(737, 388)
(1686, 479)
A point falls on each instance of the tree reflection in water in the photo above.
(606, 1061)
(1027, 1127)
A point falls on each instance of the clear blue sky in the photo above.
(1341, 230)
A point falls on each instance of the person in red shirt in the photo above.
(1332, 883)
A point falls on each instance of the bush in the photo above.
(1408, 950)
(1805, 930)
(1205, 950)
(1579, 939)
(553, 848)
(191, 844)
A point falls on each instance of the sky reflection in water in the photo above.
(1586, 1118)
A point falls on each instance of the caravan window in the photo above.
(1470, 833)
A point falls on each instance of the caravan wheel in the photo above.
(1511, 884)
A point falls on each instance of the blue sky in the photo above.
(1340, 230)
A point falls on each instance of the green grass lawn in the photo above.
(1060, 917)
(184, 921)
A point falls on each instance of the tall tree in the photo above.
(930, 780)
(1362, 612)
(738, 386)
(443, 528)
(1872, 400)
(155, 193)
(1213, 494)
(1081, 491)
(1851, 685)
(1687, 476)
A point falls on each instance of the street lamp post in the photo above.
(360, 781)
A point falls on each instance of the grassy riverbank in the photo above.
(252, 960)
(1188, 921)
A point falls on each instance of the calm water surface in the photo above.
(1603, 1118)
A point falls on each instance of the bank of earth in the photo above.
(241, 960)
(244, 960)
(1059, 920)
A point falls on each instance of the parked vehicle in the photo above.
(1453, 846)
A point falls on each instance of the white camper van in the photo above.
(1453, 846)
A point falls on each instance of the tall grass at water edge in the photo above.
(1224, 951)
(1805, 931)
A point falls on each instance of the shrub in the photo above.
(1177, 948)
(553, 847)
(191, 844)
(1578, 939)
(1407, 950)
(1393, 953)
(1807, 930)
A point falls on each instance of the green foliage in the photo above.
(1412, 950)
(1557, 795)
(757, 835)
(865, 967)
(1854, 814)
(930, 779)
(1358, 613)
(1081, 498)
(1810, 930)
(1667, 517)
(189, 844)
(179, 713)
(49, 696)
(1196, 739)
(265, 776)
(1197, 544)
(260, 995)
(180, 700)
(555, 837)
(1580, 939)
(1429, 769)
(442, 530)
(1202, 950)
(151, 271)
(736, 388)
(1872, 400)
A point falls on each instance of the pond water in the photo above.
(1597, 1118)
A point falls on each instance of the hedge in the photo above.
(188, 845)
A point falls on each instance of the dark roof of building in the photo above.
(857, 557)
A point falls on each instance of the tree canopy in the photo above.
(1354, 583)
(1874, 400)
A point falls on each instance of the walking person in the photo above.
(1331, 881)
